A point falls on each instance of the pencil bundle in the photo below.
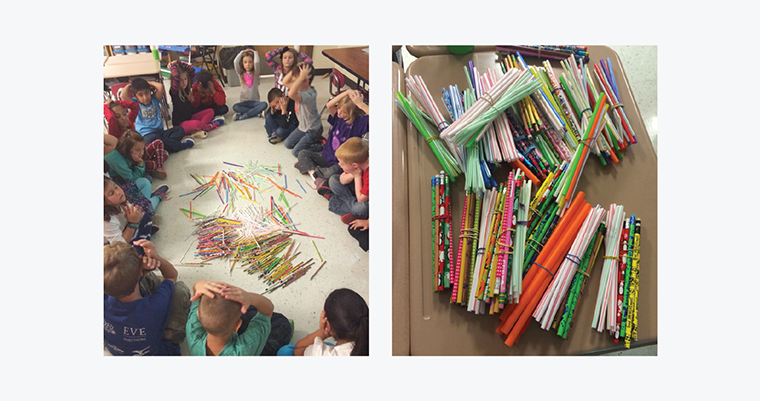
(555, 52)
(442, 252)
(632, 306)
(607, 80)
(605, 312)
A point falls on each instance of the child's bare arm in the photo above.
(295, 86)
(109, 143)
(165, 267)
(321, 332)
(159, 87)
(358, 184)
(332, 102)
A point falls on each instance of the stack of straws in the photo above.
(550, 302)
(442, 253)
(607, 79)
(515, 317)
(617, 302)
(449, 164)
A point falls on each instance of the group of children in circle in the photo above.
(145, 315)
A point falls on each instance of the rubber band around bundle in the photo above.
(445, 125)
(587, 143)
(583, 273)
(588, 109)
(536, 242)
(441, 217)
(428, 140)
(522, 223)
(532, 209)
(576, 259)
(611, 257)
(489, 99)
(547, 270)
(481, 251)
(615, 106)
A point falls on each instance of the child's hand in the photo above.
(150, 263)
(236, 294)
(305, 68)
(361, 225)
(356, 97)
(148, 247)
(134, 213)
(207, 288)
(211, 87)
(284, 104)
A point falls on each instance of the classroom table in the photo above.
(353, 60)
(146, 58)
(436, 327)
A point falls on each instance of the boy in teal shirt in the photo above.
(221, 323)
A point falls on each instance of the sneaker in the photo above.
(153, 229)
(159, 173)
(325, 191)
(160, 192)
(187, 143)
(275, 139)
(220, 117)
(320, 182)
(348, 218)
(199, 134)
(237, 117)
(217, 122)
(260, 115)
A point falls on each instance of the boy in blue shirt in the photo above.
(149, 123)
(139, 320)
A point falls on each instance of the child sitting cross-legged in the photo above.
(225, 320)
(142, 314)
(348, 192)
(309, 132)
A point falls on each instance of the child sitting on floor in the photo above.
(348, 192)
(281, 120)
(120, 115)
(345, 318)
(132, 159)
(149, 123)
(221, 323)
(247, 66)
(349, 118)
(142, 315)
(124, 221)
(196, 123)
(309, 132)
(208, 94)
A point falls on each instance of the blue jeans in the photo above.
(343, 200)
(274, 128)
(172, 138)
(249, 108)
(299, 140)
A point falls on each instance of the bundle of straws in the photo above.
(564, 319)
(605, 312)
(442, 253)
(515, 317)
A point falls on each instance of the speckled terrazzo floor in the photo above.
(243, 142)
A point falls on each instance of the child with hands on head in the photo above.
(132, 159)
(247, 66)
(143, 315)
(149, 123)
(309, 132)
(120, 115)
(225, 320)
(349, 118)
(288, 59)
(196, 123)
(345, 318)
(209, 94)
(281, 120)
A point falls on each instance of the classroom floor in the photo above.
(245, 142)
(640, 64)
